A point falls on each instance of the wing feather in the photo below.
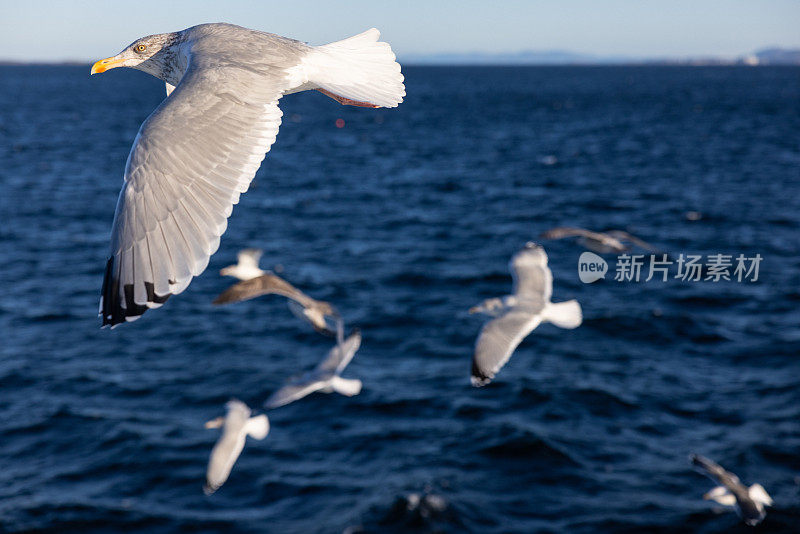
(498, 340)
(192, 158)
(294, 391)
(263, 285)
(341, 354)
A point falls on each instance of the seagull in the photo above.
(201, 147)
(246, 267)
(519, 314)
(749, 502)
(236, 426)
(325, 377)
(315, 312)
(600, 242)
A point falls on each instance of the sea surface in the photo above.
(404, 219)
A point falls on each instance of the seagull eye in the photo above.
(141, 48)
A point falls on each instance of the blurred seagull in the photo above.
(325, 377)
(236, 426)
(315, 312)
(246, 267)
(600, 242)
(200, 148)
(749, 502)
(519, 314)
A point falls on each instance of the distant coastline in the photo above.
(765, 56)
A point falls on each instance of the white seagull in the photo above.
(236, 426)
(325, 377)
(749, 502)
(200, 148)
(315, 312)
(600, 242)
(518, 314)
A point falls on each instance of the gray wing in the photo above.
(229, 446)
(498, 340)
(567, 231)
(625, 236)
(263, 285)
(318, 318)
(340, 356)
(295, 390)
(717, 473)
(192, 158)
(533, 280)
(249, 257)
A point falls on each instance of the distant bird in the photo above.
(236, 426)
(324, 378)
(199, 150)
(519, 314)
(749, 502)
(315, 312)
(246, 267)
(600, 242)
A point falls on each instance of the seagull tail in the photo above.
(357, 71)
(564, 314)
(257, 427)
(346, 386)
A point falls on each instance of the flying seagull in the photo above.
(200, 148)
(315, 312)
(246, 266)
(325, 377)
(517, 315)
(236, 426)
(600, 242)
(749, 502)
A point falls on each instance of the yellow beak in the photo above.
(106, 64)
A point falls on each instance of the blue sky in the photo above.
(41, 31)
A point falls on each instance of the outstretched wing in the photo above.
(625, 236)
(341, 354)
(263, 285)
(498, 340)
(561, 232)
(229, 446)
(716, 472)
(295, 391)
(192, 158)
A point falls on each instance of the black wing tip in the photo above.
(478, 378)
(112, 310)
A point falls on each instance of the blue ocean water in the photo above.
(404, 219)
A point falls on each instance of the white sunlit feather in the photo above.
(199, 150)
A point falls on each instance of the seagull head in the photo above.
(158, 55)
(532, 255)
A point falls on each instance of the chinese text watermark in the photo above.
(661, 267)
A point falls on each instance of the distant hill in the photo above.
(767, 56)
(778, 56)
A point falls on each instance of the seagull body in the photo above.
(199, 150)
(600, 242)
(315, 312)
(246, 267)
(324, 378)
(236, 426)
(749, 502)
(519, 314)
